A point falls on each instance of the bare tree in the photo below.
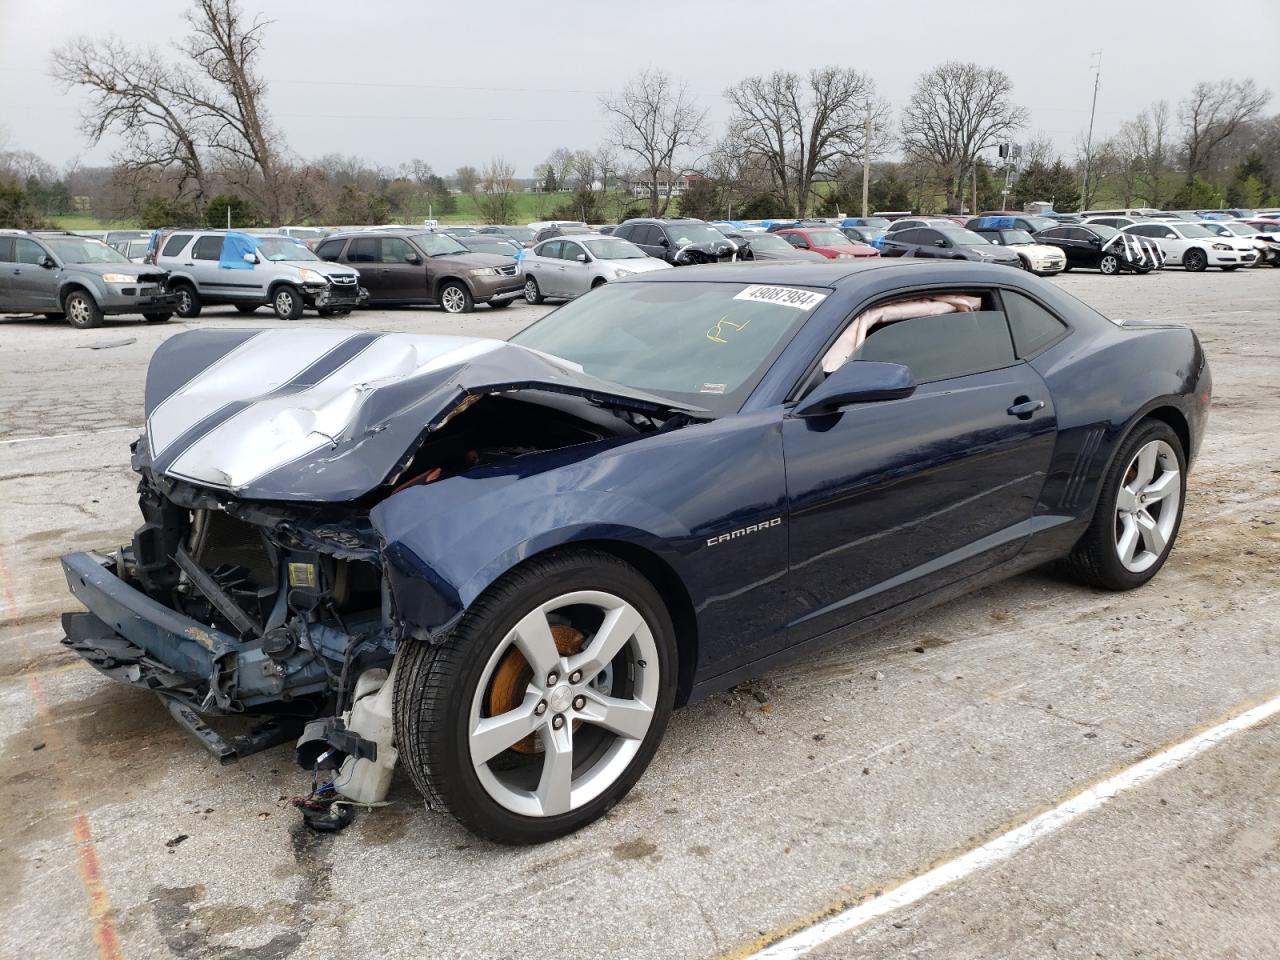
(655, 121)
(560, 166)
(804, 128)
(957, 110)
(132, 93)
(1142, 151)
(496, 199)
(608, 165)
(585, 171)
(1213, 113)
(465, 179)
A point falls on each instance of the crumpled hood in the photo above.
(706, 252)
(328, 415)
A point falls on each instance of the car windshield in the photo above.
(699, 342)
(80, 250)
(828, 238)
(519, 234)
(1041, 223)
(437, 244)
(283, 248)
(686, 233)
(487, 243)
(1193, 231)
(1010, 237)
(462, 231)
(767, 243)
(1240, 229)
(614, 248)
(965, 238)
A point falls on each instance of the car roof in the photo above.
(806, 273)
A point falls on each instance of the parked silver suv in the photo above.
(81, 279)
(227, 266)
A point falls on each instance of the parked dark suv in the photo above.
(62, 275)
(946, 243)
(413, 266)
(680, 241)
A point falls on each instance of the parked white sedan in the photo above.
(1195, 247)
(1265, 243)
(565, 267)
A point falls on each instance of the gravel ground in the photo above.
(866, 765)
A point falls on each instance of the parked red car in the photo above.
(828, 241)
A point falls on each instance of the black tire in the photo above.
(436, 683)
(1024, 263)
(162, 317)
(455, 298)
(54, 316)
(1194, 261)
(499, 304)
(1109, 264)
(188, 305)
(247, 307)
(532, 293)
(287, 302)
(81, 310)
(1094, 559)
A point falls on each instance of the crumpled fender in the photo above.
(445, 542)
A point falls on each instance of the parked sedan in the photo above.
(493, 243)
(769, 246)
(1103, 248)
(521, 235)
(947, 243)
(503, 564)
(1195, 247)
(828, 241)
(1039, 258)
(566, 267)
(1264, 243)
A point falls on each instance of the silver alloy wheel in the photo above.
(284, 303)
(184, 299)
(1147, 505)
(531, 291)
(563, 691)
(453, 299)
(78, 311)
(1109, 264)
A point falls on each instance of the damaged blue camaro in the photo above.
(502, 564)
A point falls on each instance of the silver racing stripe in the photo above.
(285, 425)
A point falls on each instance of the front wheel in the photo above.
(1109, 264)
(81, 310)
(287, 303)
(455, 298)
(188, 303)
(1194, 261)
(1138, 514)
(532, 294)
(547, 702)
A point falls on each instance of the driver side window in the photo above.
(27, 251)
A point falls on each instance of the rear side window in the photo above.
(909, 235)
(1033, 327)
(207, 248)
(624, 231)
(364, 250)
(175, 244)
(6, 249)
(942, 347)
(551, 249)
(330, 249)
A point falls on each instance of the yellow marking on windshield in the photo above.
(716, 334)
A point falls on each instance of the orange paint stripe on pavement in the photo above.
(101, 914)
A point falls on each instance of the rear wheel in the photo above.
(546, 703)
(455, 298)
(1194, 261)
(287, 303)
(1138, 514)
(188, 305)
(531, 292)
(81, 310)
(1109, 264)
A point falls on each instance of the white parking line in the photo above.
(64, 436)
(1007, 844)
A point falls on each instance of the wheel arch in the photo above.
(1176, 420)
(447, 279)
(279, 282)
(70, 287)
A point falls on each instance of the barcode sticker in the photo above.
(786, 296)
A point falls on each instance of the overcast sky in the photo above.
(457, 83)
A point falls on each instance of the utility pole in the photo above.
(866, 159)
(1095, 65)
(228, 216)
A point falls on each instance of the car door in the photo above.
(1163, 236)
(550, 281)
(648, 238)
(402, 269)
(6, 273)
(575, 275)
(538, 263)
(892, 499)
(32, 285)
(203, 264)
(898, 243)
(365, 254)
(1078, 244)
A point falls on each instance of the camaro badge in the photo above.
(735, 534)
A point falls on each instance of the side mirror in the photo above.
(858, 381)
(664, 242)
(413, 258)
(250, 258)
(581, 258)
(47, 262)
(1096, 241)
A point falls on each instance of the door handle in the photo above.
(1024, 407)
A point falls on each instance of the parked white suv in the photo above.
(1195, 247)
(227, 266)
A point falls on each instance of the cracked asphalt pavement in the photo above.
(829, 779)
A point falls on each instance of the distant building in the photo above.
(639, 186)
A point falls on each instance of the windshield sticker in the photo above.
(787, 296)
(717, 333)
(712, 388)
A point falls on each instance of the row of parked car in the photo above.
(159, 273)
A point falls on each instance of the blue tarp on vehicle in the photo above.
(234, 248)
